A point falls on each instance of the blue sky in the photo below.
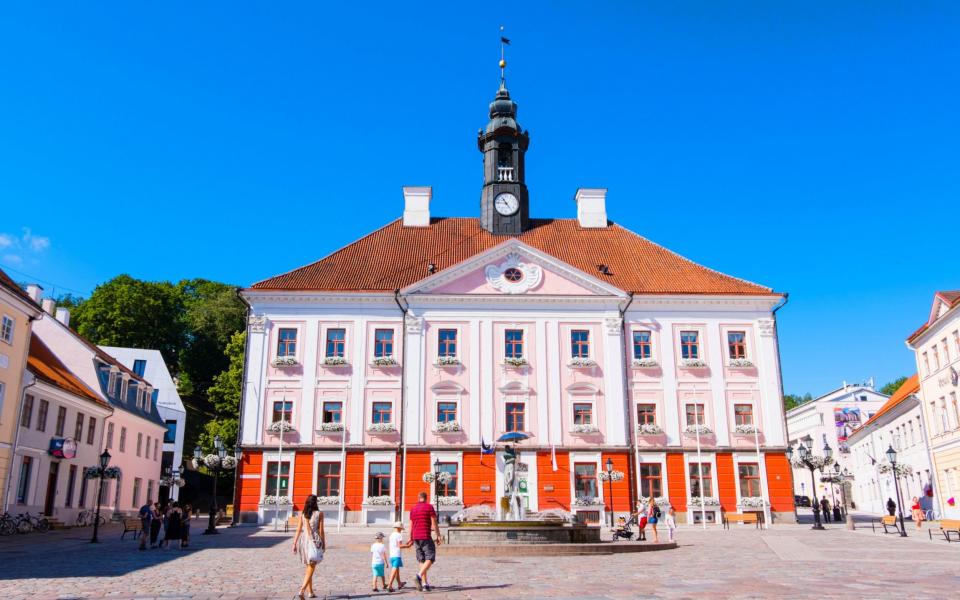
(805, 147)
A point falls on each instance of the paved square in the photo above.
(789, 561)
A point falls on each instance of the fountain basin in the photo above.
(520, 532)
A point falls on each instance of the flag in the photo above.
(553, 457)
(504, 40)
(484, 448)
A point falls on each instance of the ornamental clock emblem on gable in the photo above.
(513, 276)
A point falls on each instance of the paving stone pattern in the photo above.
(788, 561)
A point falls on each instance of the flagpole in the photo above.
(343, 461)
(696, 418)
(283, 417)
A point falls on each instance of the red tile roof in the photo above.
(44, 364)
(949, 297)
(910, 387)
(395, 256)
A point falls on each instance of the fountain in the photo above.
(508, 529)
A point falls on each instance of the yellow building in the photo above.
(937, 348)
(17, 311)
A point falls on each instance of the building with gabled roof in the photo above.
(421, 344)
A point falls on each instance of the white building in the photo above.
(898, 423)
(830, 419)
(150, 365)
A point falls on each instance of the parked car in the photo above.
(801, 501)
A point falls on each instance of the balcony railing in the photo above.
(504, 173)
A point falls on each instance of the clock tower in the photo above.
(504, 204)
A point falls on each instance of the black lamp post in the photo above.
(610, 487)
(805, 450)
(892, 457)
(214, 509)
(104, 461)
(436, 484)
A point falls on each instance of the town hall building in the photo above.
(418, 346)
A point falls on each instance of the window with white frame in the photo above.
(446, 411)
(642, 345)
(583, 413)
(701, 479)
(737, 345)
(689, 345)
(580, 343)
(287, 342)
(749, 480)
(6, 329)
(383, 343)
(447, 343)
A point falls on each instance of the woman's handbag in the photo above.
(314, 549)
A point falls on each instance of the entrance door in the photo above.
(51, 488)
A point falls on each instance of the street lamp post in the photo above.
(610, 487)
(436, 485)
(104, 461)
(214, 509)
(892, 457)
(805, 451)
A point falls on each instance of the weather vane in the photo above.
(503, 62)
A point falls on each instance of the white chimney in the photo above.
(49, 304)
(34, 291)
(592, 207)
(416, 206)
(63, 315)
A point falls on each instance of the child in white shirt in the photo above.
(395, 544)
(378, 560)
(672, 524)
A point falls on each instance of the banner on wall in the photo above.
(846, 420)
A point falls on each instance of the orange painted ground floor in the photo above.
(369, 486)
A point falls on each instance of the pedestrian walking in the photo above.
(891, 507)
(174, 520)
(396, 561)
(825, 508)
(653, 516)
(378, 561)
(156, 523)
(309, 542)
(671, 521)
(916, 512)
(146, 516)
(185, 527)
(423, 520)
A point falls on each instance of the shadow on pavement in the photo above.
(69, 553)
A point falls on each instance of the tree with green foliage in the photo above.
(893, 386)
(795, 400)
(224, 396)
(212, 315)
(132, 313)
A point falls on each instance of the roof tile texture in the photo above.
(395, 256)
(44, 364)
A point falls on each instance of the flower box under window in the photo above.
(449, 501)
(645, 363)
(590, 501)
(382, 428)
(745, 429)
(378, 501)
(697, 429)
(447, 427)
(384, 361)
(275, 501)
(334, 361)
(330, 427)
(584, 428)
(280, 427)
(581, 362)
(447, 361)
(708, 501)
(285, 361)
(693, 363)
(740, 363)
(752, 502)
(649, 429)
(515, 361)
(328, 500)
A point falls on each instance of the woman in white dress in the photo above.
(309, 543)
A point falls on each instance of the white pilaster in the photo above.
(308, 394)
(552, 340)
(414, 357)
(255, 396)
(718, 388)
(613, 392)
(473, 395)
(543, 409)
(486, 379)
(357, 405)
(774, 426)
(668, 360)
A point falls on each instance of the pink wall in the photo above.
(550, 284)
(448, 383)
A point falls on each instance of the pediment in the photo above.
(514, 269)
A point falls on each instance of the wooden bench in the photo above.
(949, 528)
(886, 522)
(132, 524)
(750, 517)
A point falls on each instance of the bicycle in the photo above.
(38, 523)
(87, 517)
(8, 524)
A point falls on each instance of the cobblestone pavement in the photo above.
(788, 561)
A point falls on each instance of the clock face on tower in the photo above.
(506, 203)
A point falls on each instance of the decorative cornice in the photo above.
(257, 323)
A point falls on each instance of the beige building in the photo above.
(17, 311)
(937, 348)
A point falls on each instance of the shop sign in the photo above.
(63, 447)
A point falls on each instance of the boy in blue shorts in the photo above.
(378, 560)
(395, 544)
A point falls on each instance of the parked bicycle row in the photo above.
(22, 523)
